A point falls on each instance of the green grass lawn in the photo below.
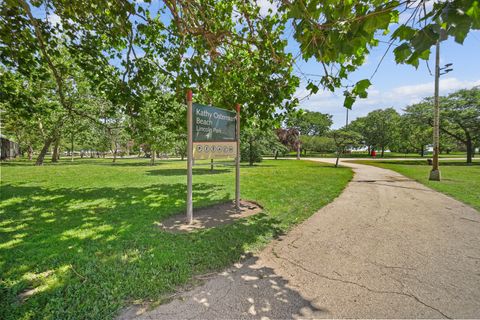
(82, 236)
(364, 154)
(458, 180)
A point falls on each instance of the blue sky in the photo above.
(395, 85)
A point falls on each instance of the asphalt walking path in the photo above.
(387, 247)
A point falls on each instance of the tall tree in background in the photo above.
(41, 51)
(379, 128)
(156, 123)
(225, 51)
(289, 137)
(413, 136)
(461, 113)
(460, 116)
(307, 123)
(310, 123)
(344, 140)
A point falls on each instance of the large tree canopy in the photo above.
(226, 51)
(459, 117)
(310, 122)
(379, 128)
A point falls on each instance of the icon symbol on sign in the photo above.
(199, 148)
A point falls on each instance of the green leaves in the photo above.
(312, 87)
(340, 34)
(359, 90)
(402, 52)
(309, 122)
(403, 32)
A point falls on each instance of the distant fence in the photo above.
(9, 149)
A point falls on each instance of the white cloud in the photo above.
(54, 19)
(407, 14)
(265, 5)
(447, 85)
(398, 97)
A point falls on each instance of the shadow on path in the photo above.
(247, 290)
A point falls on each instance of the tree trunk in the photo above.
(298, 152)
(30, 152)
(43, 152)
(115, 155)
(276, 155)
(152, 160)
(182, 156)
(469, 150)
(250, 152)
(383, 151)
(422, 151)
(72, 145)
(338, 158)
(55, 151)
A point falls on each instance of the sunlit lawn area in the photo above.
(80, 241)
(458, 180)
(365, 154)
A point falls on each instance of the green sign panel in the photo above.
(212, 124)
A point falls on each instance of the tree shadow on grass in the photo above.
(86, 252)
(326, 165)
(183, 172)
(141, 162)
(244, 165)
(120, 162)
(425, 163)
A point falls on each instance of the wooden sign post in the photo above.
(213, 133)
(189, 157)
(237, 160)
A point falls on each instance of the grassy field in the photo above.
(364, 154)
(458, 180)
(80, 239)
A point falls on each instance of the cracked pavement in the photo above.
(387, 247)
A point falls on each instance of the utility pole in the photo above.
(346, 121)
(435, 173)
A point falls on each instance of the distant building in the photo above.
(9, 148)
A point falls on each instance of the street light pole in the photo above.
(346, 120)
(435, 173)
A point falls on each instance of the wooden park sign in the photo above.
(213, 133)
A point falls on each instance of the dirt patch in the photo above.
(212, 216)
